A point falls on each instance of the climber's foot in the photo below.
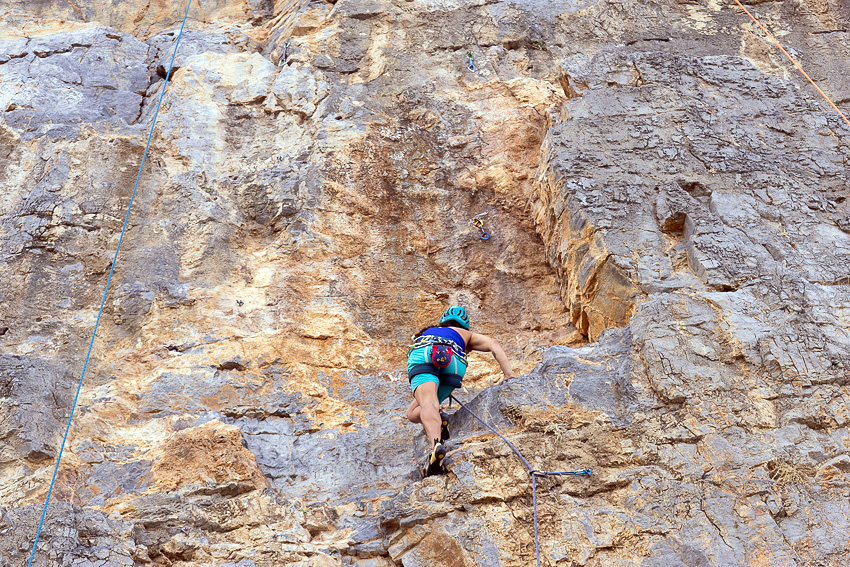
(435, 460)
(444, 432)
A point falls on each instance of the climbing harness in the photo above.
(797, 65)
(440, 356)
(429, 340)
(531, 470)
(106, 291)
(478, 222)
(470, 61)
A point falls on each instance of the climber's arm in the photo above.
(484, 343)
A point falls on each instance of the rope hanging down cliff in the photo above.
(797, 65)
(108, 281)
(531, 470)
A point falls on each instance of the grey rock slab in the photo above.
(71, 535)
(338, 466)
(597, 378)
(299, 90)
(798, 526)
(89, 75)
(674, 553)
(217, 40)
(719, 253)
(37, 396)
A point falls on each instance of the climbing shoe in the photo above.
(444, 432)
(435, 460)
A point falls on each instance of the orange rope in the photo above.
(832, 104)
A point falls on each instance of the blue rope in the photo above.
(106, 291)
(534, 473)
(488, 426)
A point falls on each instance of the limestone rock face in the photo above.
(667, 269)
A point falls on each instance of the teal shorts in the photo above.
(421, 356)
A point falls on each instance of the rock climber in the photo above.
(436, 363)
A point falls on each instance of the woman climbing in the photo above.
(436, 363)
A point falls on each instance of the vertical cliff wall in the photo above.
(667, 267)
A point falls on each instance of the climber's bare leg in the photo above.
(427, 410)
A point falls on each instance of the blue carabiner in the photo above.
(485, 235)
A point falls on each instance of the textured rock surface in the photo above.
(667, 268)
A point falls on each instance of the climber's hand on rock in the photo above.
(504, 379)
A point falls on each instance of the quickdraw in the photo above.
(470, 61)
(478, 223)
(579, 472)
(282, 61)
(531, 470)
